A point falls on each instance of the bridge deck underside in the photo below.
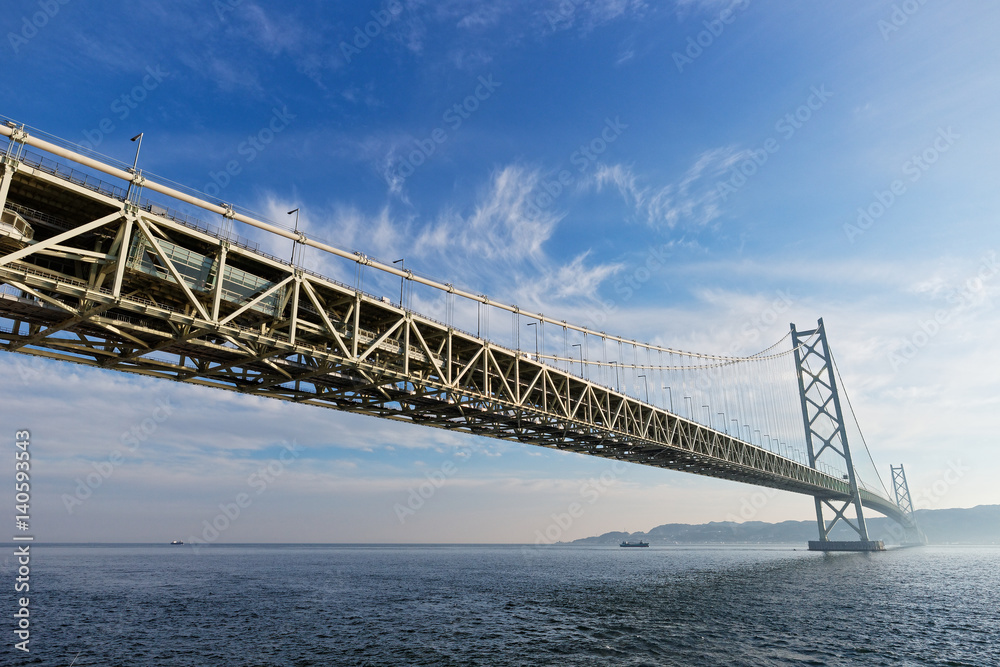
(105, 285)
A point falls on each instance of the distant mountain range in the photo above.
(977, 525)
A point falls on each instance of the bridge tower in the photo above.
(912, 534)
(826, 435)
(901, 489)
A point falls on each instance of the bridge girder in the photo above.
(105, 285)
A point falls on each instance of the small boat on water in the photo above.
(177, 542)
(640, 543)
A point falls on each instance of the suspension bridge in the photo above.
(112, 274)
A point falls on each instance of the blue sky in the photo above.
(785, 162)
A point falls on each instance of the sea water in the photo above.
(507, 605)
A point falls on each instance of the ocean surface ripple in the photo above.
(300, 605)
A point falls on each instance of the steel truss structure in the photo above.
(824, 426)
(111, 281)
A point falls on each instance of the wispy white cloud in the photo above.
(496, 244)
(692, 201)
(625, 55)
(483, 16)
(275, 34)
(501, 245)
(230, 76)
(622, 178)
(488, 26)
(499, 227)
(587, 16)
(280, 34)
(685, 8)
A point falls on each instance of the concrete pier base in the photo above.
(858, 545)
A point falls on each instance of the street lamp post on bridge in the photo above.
(402, 279)
(295, 241)
(670, 396)
(135, 164)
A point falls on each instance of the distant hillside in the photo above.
(978, 525)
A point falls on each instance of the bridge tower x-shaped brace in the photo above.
(824, 424)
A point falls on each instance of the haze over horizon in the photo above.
(695, 174)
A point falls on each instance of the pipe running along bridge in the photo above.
(96, 272)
